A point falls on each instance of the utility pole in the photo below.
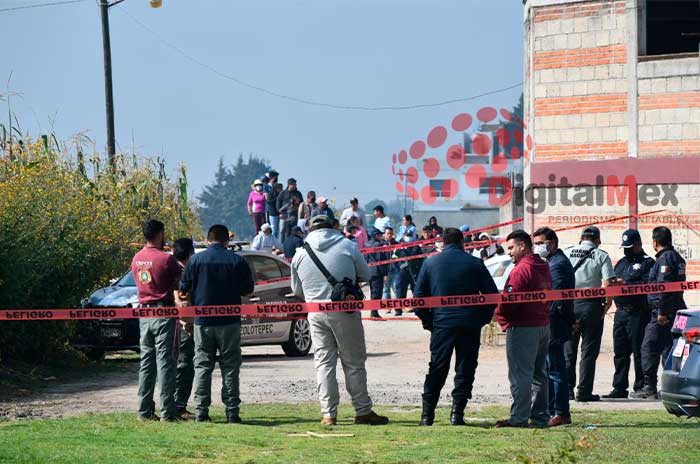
(109, 97)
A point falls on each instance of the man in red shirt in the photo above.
(156, 274)
(527, 335)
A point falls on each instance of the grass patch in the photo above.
(598, 436)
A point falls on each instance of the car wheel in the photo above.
(94, 354)
(299, 342)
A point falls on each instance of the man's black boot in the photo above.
(457, 415)
(428, 415)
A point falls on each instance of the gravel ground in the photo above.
(398, 360)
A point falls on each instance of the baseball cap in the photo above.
(464, 228)
(374, 232)
(591, 231)
(258, 182)
(354, 200)
(320, 220)
(629, 238)
(265, 227)
(273, 174)
(322, 200)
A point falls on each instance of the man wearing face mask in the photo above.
(593, 269)
(631, 315)
(527, 335)
(669, 267)
(561, 321)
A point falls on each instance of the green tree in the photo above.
(224, 201)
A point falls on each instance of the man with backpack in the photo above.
(326, 266)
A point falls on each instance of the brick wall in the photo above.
(580, 86)
(669, 115)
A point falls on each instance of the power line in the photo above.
(307, 101)
(41, 5)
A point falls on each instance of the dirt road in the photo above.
(398, 360)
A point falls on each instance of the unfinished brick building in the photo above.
(612, 101)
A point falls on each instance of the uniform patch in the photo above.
(144, 276)
(624, 238)
(663, 269)
(509, 289)
(636, 266)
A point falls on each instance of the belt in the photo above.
(158, 304)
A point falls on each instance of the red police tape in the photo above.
(397, 246)
(473, 245)
(291, 309)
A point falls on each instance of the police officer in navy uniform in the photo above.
(669, 267)
(631, 315)
(453, 329)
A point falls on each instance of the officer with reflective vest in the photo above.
(669, 267)
(631, 315)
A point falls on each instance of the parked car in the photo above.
(95, 337)
(680, 381)
(499, 267)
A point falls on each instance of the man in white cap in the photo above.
(353, 211)
(265, 241)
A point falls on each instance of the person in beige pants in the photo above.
(339, 334)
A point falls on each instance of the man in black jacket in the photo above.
(631, 315)
(217, 277)
(452, 272)
(294, 241)
(376, 273)
(561, 320)
(669, 267)
(288, 202)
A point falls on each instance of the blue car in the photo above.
(96, 337)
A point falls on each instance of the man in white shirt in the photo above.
(353, 210)
(382, 221)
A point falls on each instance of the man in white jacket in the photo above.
(337, 333)
(266, 241)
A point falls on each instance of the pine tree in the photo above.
(224, 202)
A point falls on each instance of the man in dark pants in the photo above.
(526, 326)
(631, 315)
(452, 272)
(561, 320)
(215, 277)
(156, 274)
(593, 269)
(377, 274)
(183, 249)
(669, 267)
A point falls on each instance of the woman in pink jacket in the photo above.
(256, 205)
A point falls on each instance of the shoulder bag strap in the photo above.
(582, 260)
(319, 265)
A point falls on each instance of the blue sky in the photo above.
(348, 52)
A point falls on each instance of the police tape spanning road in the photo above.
(292, 309)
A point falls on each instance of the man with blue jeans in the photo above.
(217, 277)
(561, 320)
(272, 190)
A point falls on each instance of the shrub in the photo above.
(68, 225)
